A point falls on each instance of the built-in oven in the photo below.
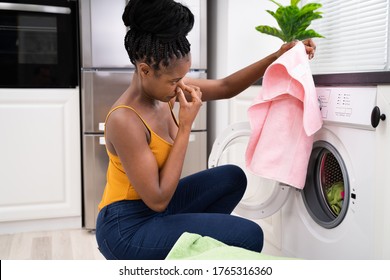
(39, 44)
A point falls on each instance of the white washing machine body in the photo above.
(344, 162)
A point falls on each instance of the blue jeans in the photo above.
(201, 204)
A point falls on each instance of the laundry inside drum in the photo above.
(326, 192)
(332, 183)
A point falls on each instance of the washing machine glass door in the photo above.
(263, 197)
(326, 192)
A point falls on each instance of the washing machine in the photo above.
(343, 211)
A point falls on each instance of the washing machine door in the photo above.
(327, 190)
(263, 197)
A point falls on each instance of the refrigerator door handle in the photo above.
(192, 137)
(102, 126)
(102, 141)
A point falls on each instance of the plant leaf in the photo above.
(294, 2)
(305, 20)
(293, 21)
(272, 13)
(310, 7)
(288, 22)
(306, 34)
(273, 1)
(270, 31)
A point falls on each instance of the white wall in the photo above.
(233, 43)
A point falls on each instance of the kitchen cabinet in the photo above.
(40, 166)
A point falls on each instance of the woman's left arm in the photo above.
(237, 82)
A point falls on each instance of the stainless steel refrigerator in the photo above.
(106, 73)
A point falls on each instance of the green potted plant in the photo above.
(293, 21)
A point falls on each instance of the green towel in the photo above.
(192, 246)
(335, 197)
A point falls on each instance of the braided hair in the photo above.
(157, 31)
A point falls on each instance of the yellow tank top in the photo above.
(118, 186)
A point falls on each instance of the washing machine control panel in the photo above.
(347, 105)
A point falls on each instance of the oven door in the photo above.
(38, 44)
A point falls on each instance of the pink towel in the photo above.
(283, 119)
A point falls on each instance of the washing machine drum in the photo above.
(263, 197)
(326, 193)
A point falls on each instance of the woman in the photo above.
(146, 206)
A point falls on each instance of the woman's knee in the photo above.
(248, 234)
(234, 173)
(255, 237)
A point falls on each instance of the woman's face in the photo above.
(161, 84)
